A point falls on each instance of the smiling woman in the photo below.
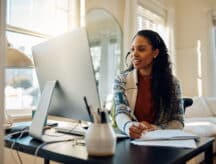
(147, 95)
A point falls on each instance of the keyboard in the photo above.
(81, 131)
(119, 134)
(68, 130)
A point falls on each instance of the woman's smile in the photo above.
(137, 61)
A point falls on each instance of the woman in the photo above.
(147, 95)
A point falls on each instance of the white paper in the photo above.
(120, 135)
(167, 135)
(168, 143)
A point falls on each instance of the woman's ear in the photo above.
(155, 53)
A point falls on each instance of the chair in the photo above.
(187, 102)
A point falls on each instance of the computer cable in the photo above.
(19, 157)
(47, 143)
(51, 142)
(79, 141)
(20, 134)
(12, 145)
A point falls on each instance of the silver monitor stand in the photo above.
(36, 128)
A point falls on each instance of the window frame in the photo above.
(23, 114)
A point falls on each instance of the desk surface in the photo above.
(125, 153)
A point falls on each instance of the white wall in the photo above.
(2, 59)
(193, 22)
(115, 7)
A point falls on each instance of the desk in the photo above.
(125, 152)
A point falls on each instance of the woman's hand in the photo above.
(136, 130)
(150, 127)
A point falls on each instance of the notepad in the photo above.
(190, 143)
(167, 135)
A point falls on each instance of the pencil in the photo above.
(88, 109)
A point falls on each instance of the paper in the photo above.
(120, 135)
(167, 135)
(168, 143)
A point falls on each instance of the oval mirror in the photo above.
(105, 39)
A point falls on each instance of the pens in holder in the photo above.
(96, 116)
(88, 109)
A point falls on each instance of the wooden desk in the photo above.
(126, 153)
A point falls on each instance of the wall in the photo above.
(2, 59)
(115, 7)
(192, 25)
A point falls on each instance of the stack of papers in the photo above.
(173, 138)
(167, 135)
(167, 143)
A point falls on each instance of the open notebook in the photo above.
(167, 135)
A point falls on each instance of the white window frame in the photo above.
(155, 12)
(24, 114)
(166, 18)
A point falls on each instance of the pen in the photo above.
(88, 109)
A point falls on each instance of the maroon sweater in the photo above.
(144, 108)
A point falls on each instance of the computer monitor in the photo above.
(67, 60)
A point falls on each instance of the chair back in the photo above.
(187, 102)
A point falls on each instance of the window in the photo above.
(22, 90)
(95, 49)
(30, 22)
(147, 19)
(44, 16)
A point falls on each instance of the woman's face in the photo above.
(142, 54)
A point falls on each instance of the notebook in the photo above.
(167, 135)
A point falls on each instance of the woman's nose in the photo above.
(135, 54)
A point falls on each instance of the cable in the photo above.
(51, 142)
(21, 133)
(46, 143)
(15, 133)
(12, 145)
(14, 158)
(18, 155)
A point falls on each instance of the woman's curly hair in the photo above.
(163, 86)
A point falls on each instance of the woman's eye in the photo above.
(141, 49)
(138, 49)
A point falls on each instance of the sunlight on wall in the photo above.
(199, 68)
(82, 13)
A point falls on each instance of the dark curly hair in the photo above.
(163, 86)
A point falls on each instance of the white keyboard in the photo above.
(74, 131)
(81, 131)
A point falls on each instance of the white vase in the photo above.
(100, 140)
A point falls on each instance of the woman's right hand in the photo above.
(136, 130)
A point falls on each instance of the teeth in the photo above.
(137, 60)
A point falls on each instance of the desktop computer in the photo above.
(65, 73)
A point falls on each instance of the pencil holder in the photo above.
(100, 140)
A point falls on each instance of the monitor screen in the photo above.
(67, 59)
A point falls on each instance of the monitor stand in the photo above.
(36, 128)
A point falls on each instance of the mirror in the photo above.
(105, 39)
